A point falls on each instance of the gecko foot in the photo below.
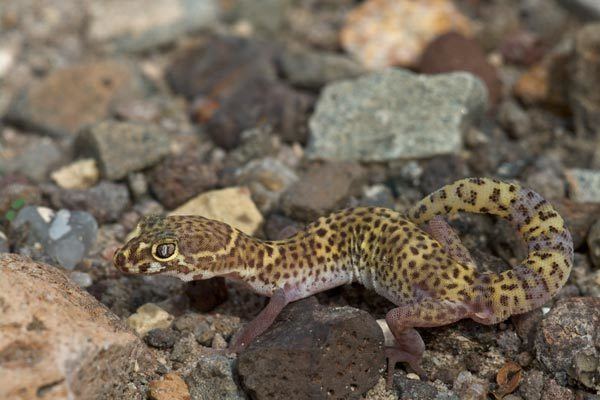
(395, 355)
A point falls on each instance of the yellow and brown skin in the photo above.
(427, 273)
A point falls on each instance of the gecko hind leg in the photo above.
(441, 231)
(402, 320)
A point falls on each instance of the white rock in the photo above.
(584, 185)
(81, 174)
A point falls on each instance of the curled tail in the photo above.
(549, 243)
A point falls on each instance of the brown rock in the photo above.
(171, 387)
(207, 294)
(579, 218)
(216, 68)
(455, 52)
(569, 339)
(233, 84)
(70, 98)
(179, 178)
(314, 352)
(57, 341)
(522, 48)
(259, 103)
(322, 189)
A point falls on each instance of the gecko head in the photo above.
(189, 247)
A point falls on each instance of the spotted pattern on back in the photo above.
(381, 249)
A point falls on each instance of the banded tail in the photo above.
(550, 247)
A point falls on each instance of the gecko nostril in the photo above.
(119, 260)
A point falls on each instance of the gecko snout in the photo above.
(120, 261)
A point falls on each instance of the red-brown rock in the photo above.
(56, 340)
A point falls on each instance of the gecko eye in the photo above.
(164, 251)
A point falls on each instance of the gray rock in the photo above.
(314, 352)
(470, 387)
(568, 340)
(415, 389)
(267, 17)
(584, 90)
(588, 9)
(395, 114)
(313, 69)
(37, 220)
(532, 385)
(213, 379)
(203, 334)
(105, 201)
(36, 160)
(584, 185)
(122, 147)
(68, 99)
(545, 18)
(267, 178)
(120, 26)
(66, 236)
(514, 119)
(322, 189)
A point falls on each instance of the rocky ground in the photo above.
(267, 114)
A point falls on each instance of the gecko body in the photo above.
(427, 272)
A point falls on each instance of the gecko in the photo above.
(413, 259)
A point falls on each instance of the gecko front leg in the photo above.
(261, 322)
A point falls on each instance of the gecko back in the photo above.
(550, 248)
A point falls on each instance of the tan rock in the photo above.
(171, 387)
(81, 174)
(57, 340)
(148, 317)
(383, 33)
(233, 206)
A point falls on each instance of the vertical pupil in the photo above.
(165, 250)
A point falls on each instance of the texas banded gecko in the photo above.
(427, 272)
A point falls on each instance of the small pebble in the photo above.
(161, 338)
(218, 342)
(171, 387)
(148, 317)
(81, 174)
(203, 333)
